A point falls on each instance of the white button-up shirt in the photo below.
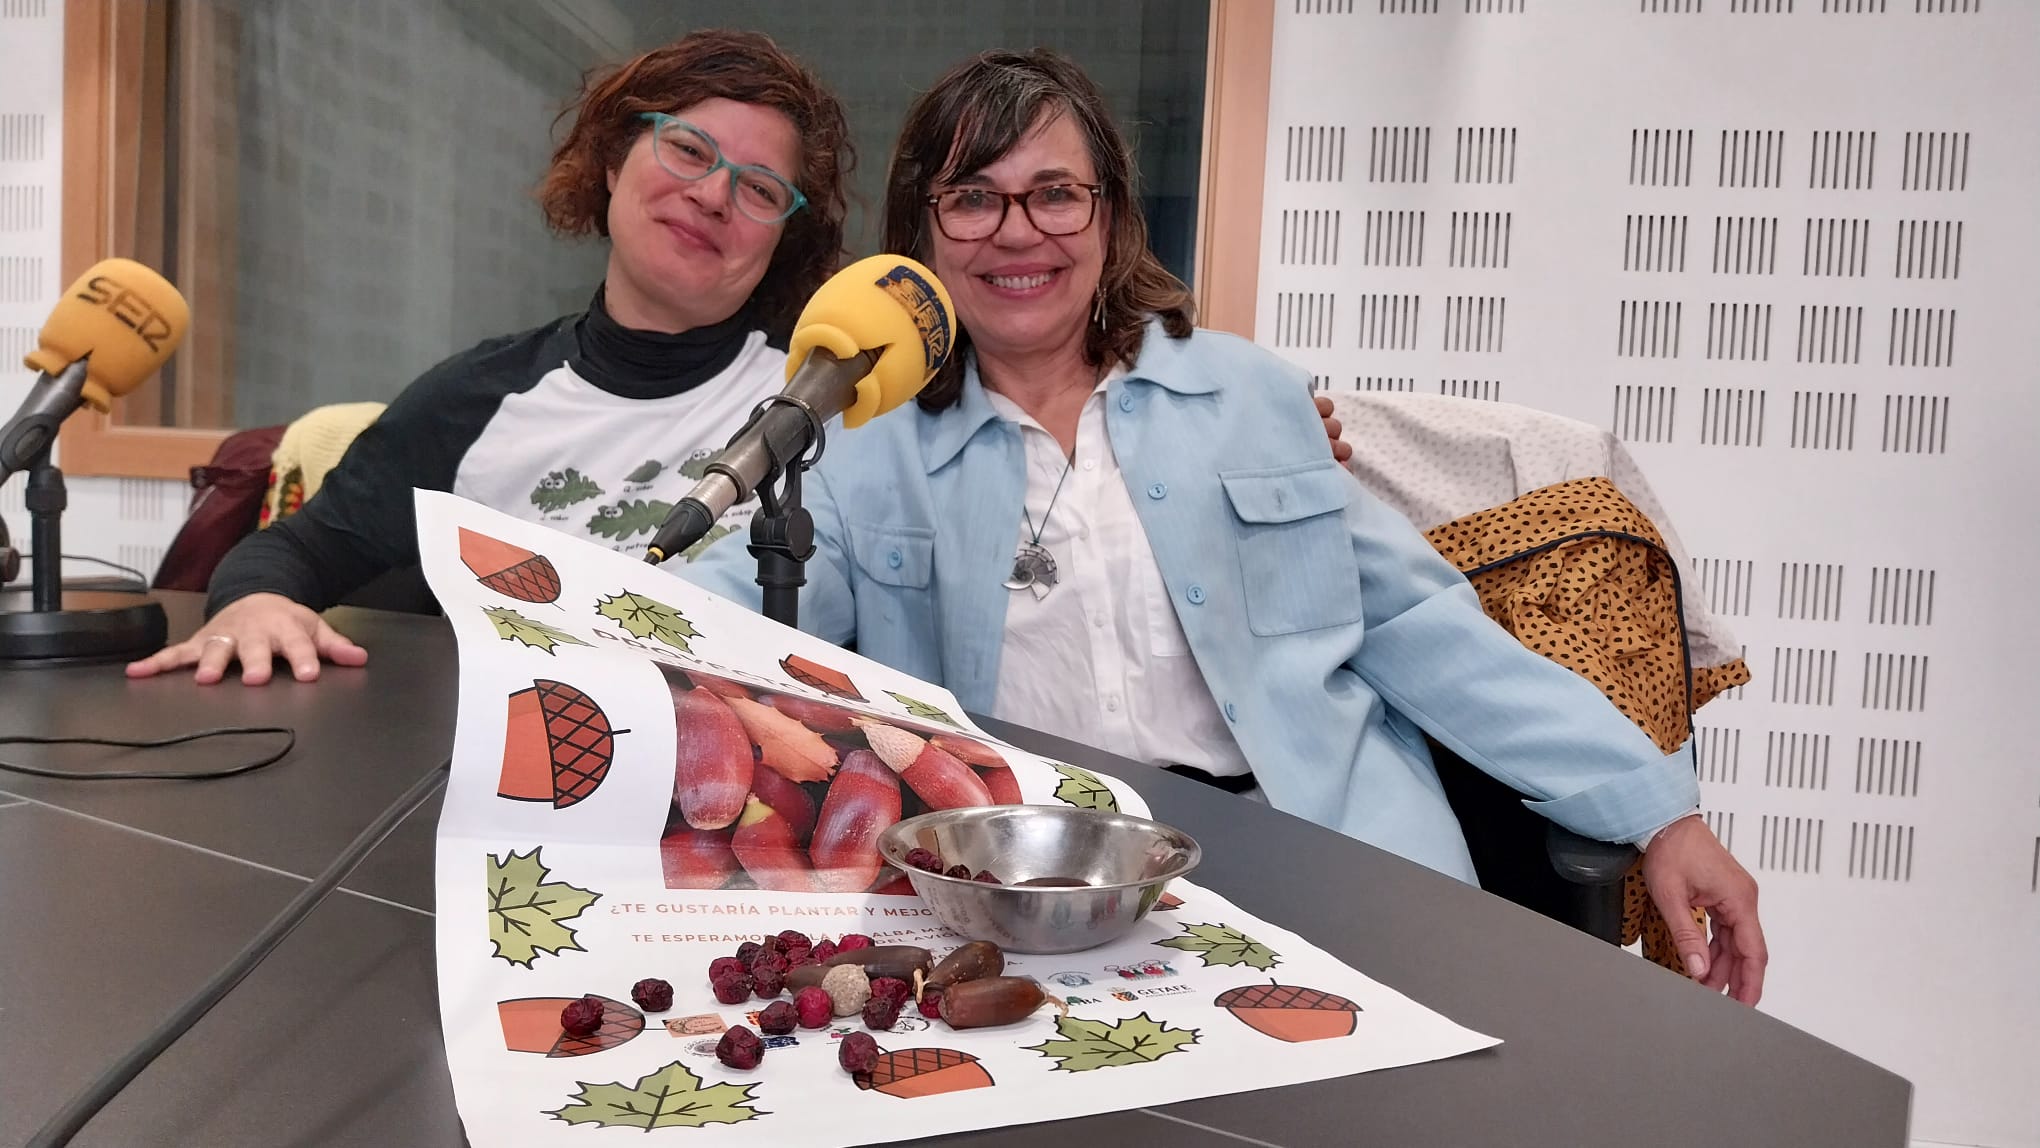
(1100, 658)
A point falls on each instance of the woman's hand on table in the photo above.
(1686, 868)
(255, 631)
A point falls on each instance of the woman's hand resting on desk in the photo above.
(255, 631)
(1686, 868)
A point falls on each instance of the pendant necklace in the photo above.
(1033, 566)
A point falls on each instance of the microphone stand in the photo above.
(67, 625)
(782, 531)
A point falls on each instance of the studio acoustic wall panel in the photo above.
(1785, 250)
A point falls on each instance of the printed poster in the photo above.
(646, 777)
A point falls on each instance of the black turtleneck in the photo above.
(360, 526)
(652, 364)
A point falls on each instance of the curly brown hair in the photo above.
(742, 66)
(973, 115)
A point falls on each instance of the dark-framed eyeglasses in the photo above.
(970, 213)
(687, 152)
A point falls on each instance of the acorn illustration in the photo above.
(915, 1072)
(1290, 1012)
(511, 571)
(557, 745)
(814, 675)
(532, 1024)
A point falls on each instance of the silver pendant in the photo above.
(1033, 569)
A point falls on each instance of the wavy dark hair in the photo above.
(976, 113)
(743, 66)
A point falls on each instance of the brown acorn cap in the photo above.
(910, 1062)
(1283, 997)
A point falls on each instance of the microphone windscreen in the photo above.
(886, 303)
(127, 318)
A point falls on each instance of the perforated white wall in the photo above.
(1787, 250)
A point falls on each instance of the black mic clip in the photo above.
(782, 530)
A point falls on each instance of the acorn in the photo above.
(557, 745)
(1291, 1013)
(532, 1024)
(913, 1072)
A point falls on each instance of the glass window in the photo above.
(344, 189)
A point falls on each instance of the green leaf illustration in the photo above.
(630, 517)
(672, 1097)
(642, 617)
(696, 466)
(1081, 788)
(1223, 945)
(1092, 1044)
(563, 488)
(707, 540)
(923, 710)
(513, 626)
(647, 471)
(527, 914)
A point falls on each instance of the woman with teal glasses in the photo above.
(715, 168)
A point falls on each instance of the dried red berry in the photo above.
(582, 1017)
(815, 1008)
(748, 952)
(853, 941)
(804, 957)
(931, 1003)
(984, 876)
(891, 988)
(732, 988)
(794, 939)
(740, 1048)
(822, 951)
(768, 945)
(962, 871)
(857, 1053)
(778, 1018)
(652, 995)
(767, 981)
(777, 962)
(881, 1013)
(924, 859)
(722, 966)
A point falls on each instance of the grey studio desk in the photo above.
(117, 899)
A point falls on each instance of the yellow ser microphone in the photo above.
(110, 331)
(868, 341)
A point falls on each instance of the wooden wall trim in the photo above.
(1234, 166)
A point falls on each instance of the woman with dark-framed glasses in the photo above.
(1102, 522)
(715, 168)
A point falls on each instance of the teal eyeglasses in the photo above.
(687, 152)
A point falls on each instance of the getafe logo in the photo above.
(931, 318)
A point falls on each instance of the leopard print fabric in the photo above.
(1579, 575)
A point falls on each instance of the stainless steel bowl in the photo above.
(1125, 863)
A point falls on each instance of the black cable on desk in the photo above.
(289, 742)
(66, 1123)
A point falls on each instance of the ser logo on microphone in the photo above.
(920, 301)
(133, 310)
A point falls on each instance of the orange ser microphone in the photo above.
(109, 332)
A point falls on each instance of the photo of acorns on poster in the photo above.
(778, 791)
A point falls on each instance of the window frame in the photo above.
(114, 155)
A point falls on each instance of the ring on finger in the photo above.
(227, 638)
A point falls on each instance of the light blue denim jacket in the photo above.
(1329, 630)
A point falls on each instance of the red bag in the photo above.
(226, 506)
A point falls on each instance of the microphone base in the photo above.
(93, 626)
